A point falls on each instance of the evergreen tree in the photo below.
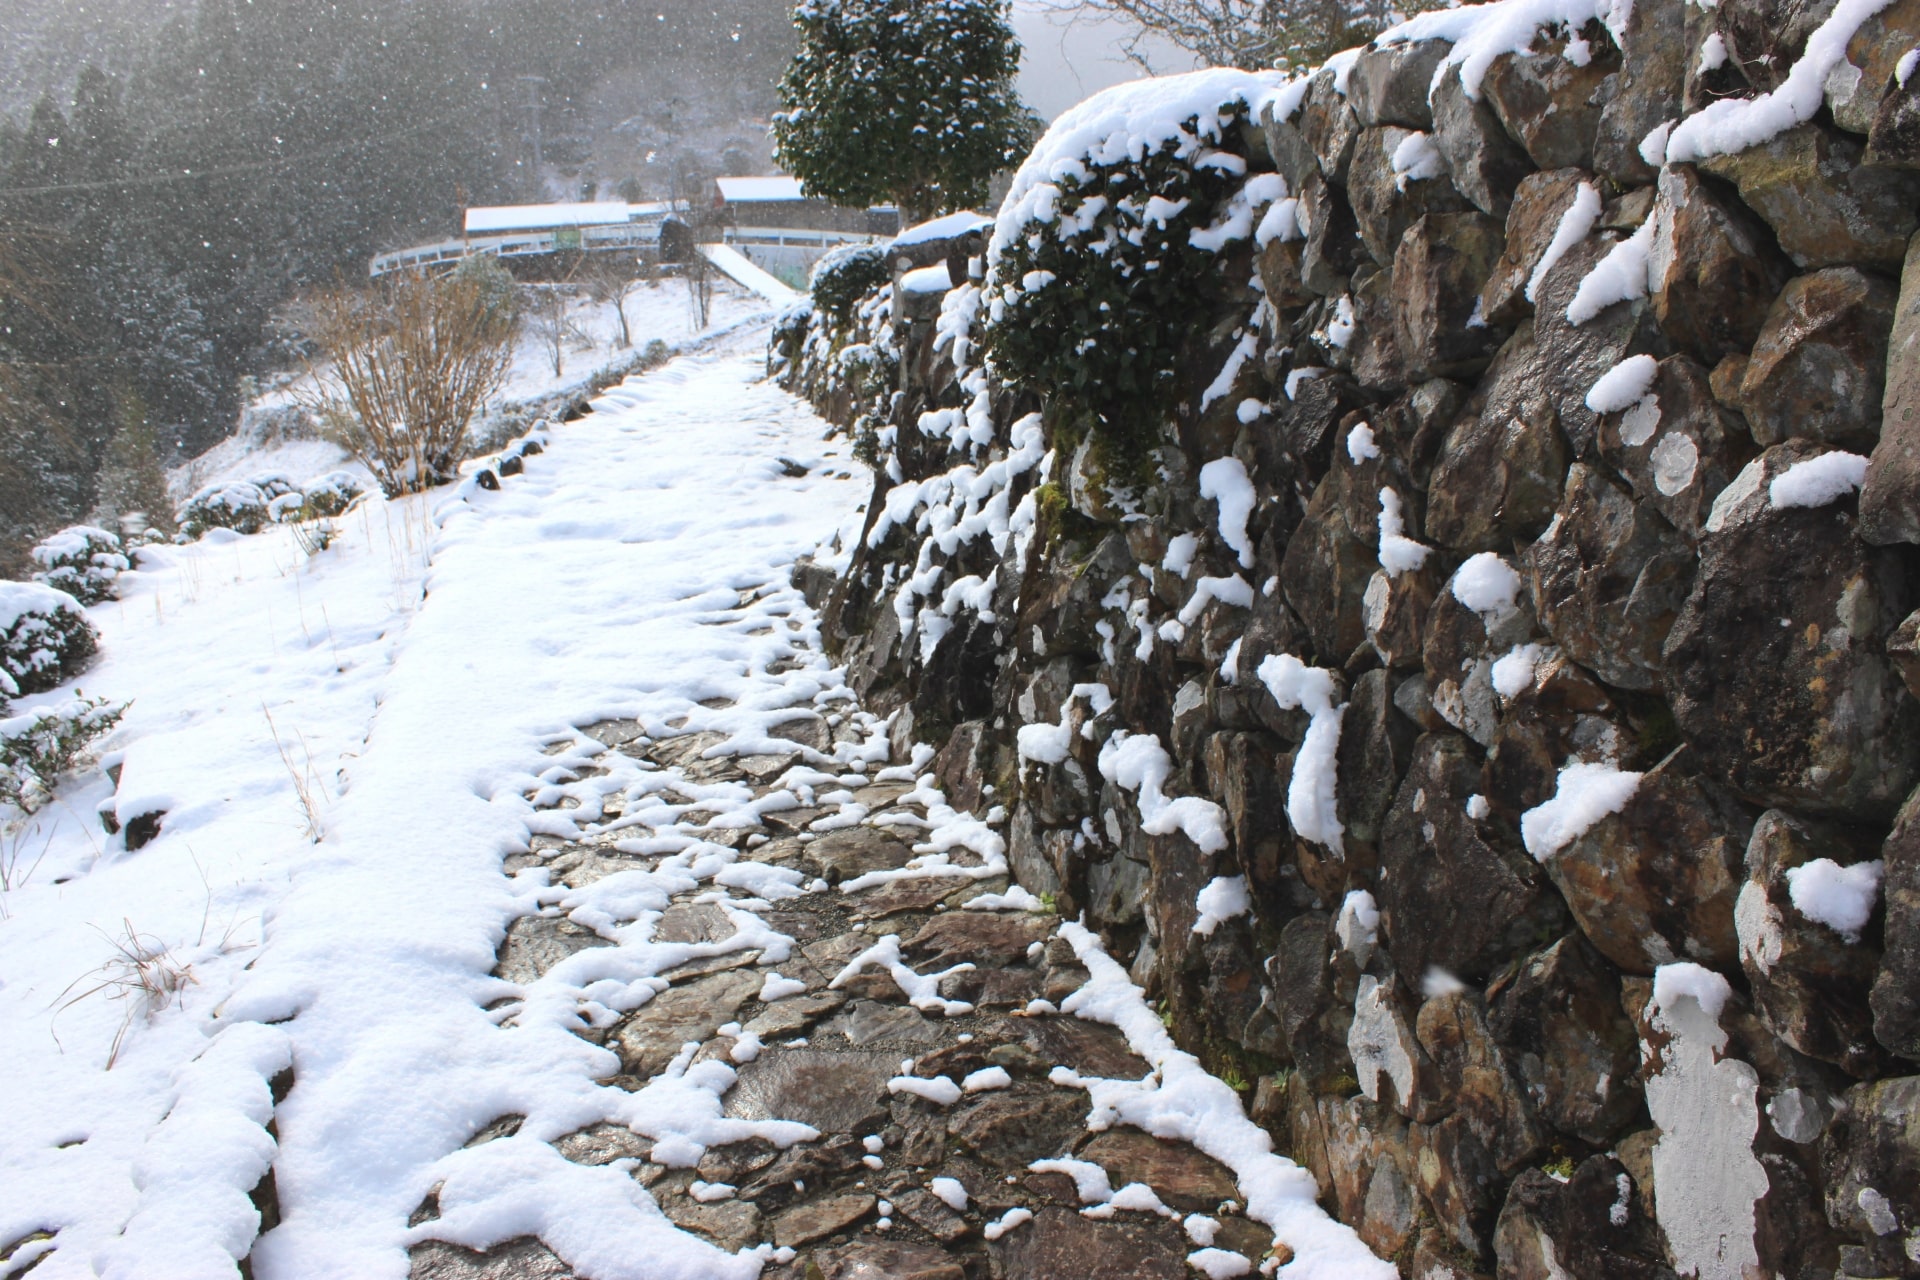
(135, 482)
(907, 100)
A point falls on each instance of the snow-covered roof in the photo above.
(952, 224)
(771, 188)
(543, 217)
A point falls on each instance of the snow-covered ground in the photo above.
(656, 309)
(585, 590)
(348, 749)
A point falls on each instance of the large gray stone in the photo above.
(534, 944)
(1609, 577)
(1549, 103)
(1388, 84)
(1895, 999)
(1656, 882)
(1486, 163)
(1809, 981)
(1579, 1229)
(1454, 893)
(1562, 1027)
(1819, 367)
(1059, 1242)
(1679, 447)
(835, 1091)
(1776, 669)
(1875, 49)
(1533, 216)
(1385, 204)
(1500, 474)
(524, 1258)
(1437, 270)
(1712, 266)
(1871, 1162)
(690, 1011)
(887, 1260)
(1651, 83)
(1890, 500)
(1827, 208)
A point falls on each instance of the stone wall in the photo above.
(1483, 708)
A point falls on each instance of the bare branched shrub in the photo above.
(546, 308)
(699, 276)
(1290, 34)
(611, 277)
(409, 365)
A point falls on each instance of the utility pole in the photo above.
(532, 95)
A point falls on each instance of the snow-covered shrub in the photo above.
(36, 748)
(789, 338)
(44, 638)
(846, 275)
(239, 505)
(332, 493)
(82, 561)
(1110, 242)
(286, 507)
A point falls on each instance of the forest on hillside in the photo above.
(188, 169)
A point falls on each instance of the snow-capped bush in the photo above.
(274, 484)
(332, 493)
(82, 561)
(45, 638)
(239, 505)
(845, 276)
(36, 748)
(789, 338)
(286, 507)
(1114, 226)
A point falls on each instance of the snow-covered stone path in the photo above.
(749, 998)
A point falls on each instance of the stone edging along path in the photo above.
(903, 1005)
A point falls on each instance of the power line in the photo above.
(226, 171)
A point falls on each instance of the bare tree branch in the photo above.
(411, 363)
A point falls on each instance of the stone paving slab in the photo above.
(897, 1186)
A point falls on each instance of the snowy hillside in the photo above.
(278, 699)
(657, 310)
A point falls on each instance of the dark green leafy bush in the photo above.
(1092, 299)
(45, 638)
(82, 561)
(845, 276)
(36, 748)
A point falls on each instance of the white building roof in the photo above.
(545, 217)
(772, 188)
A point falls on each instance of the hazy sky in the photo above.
(1071, 53)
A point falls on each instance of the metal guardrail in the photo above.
(785, 237)
(629, 235)
(632, 235)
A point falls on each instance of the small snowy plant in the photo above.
(40, 746)
(45, 638)
(239, 505)
(82, 561)
(332, 493)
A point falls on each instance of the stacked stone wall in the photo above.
(1553, 450)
